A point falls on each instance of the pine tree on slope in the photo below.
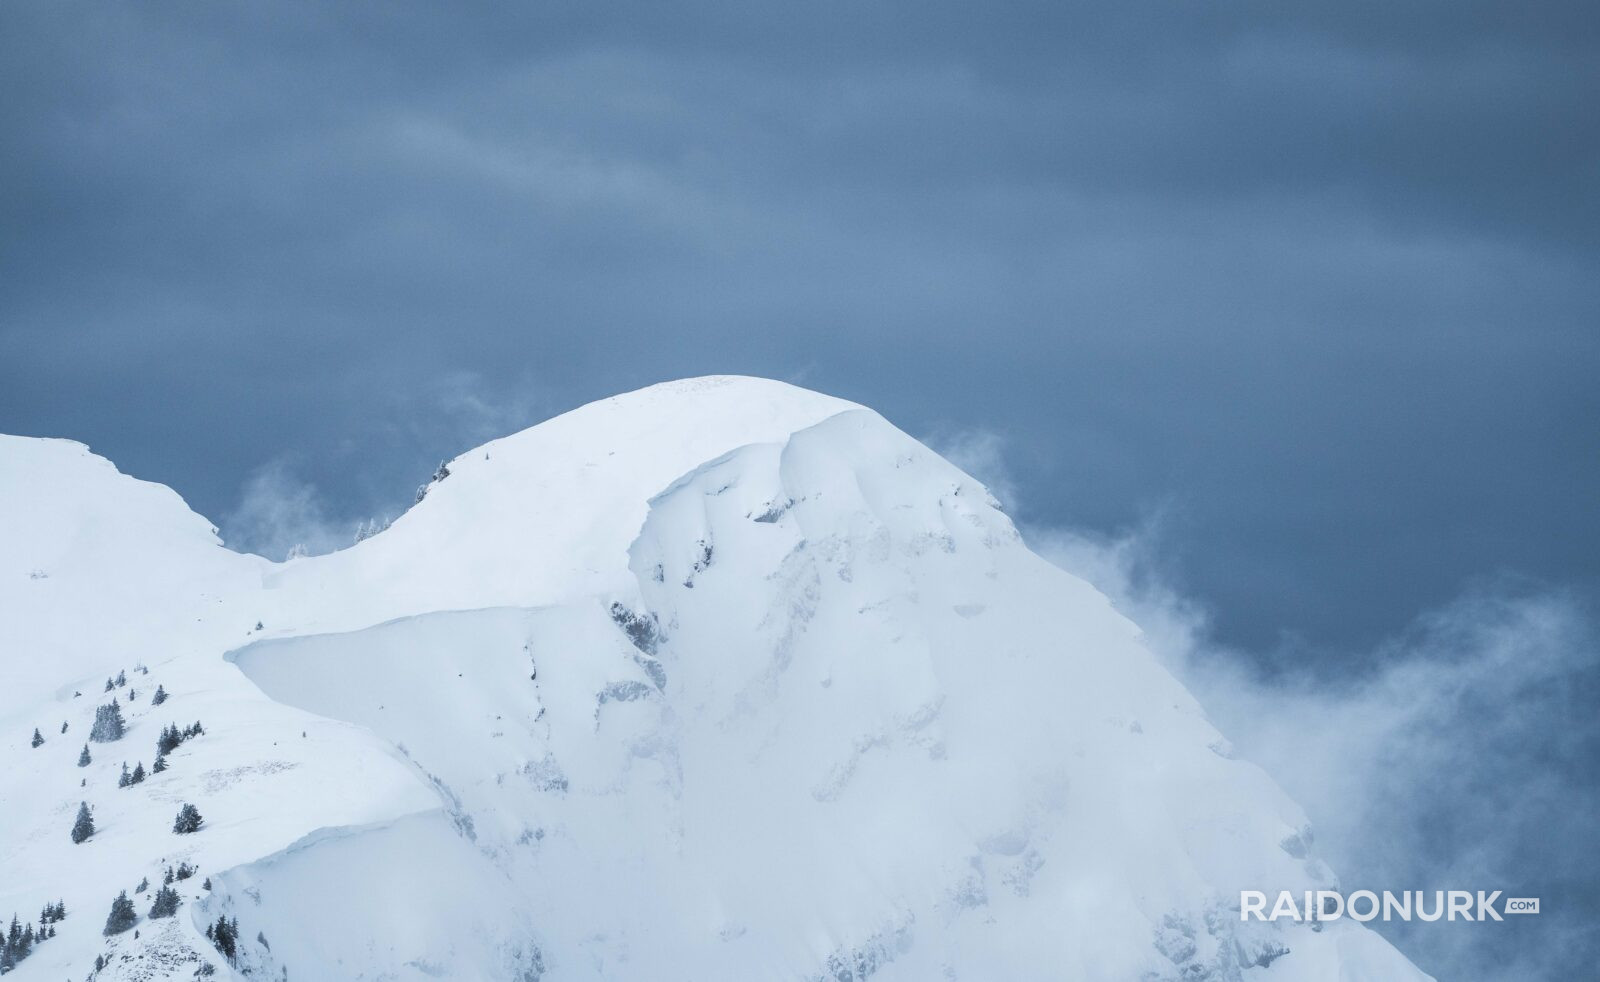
(188, 820)
(169, 739)
(225, 935)
(122, 915)
(108, 724)
(83, 827)
(166, 903)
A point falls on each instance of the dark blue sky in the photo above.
(1318, 285)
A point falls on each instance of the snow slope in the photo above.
(95, 566)
(721, 679)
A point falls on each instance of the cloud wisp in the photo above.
(280, 515)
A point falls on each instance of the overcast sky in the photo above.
(1317, 286)
(1304, 299)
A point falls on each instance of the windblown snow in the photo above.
(717, 680)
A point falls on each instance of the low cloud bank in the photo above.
(1460, 754)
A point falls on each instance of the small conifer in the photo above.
(83, 826)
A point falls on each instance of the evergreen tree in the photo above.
(37, 739)
(188, 820)
(166, 903)
(169, 739)
(138, 773)
(122, 915)
(160, 764)
(108, 725)
(124, 780)
(133, 694)
(225, 935)
(83, 827)
(63, 726)
(84, 758)
(185, 871)
(144, 884)
(110, 685)
(160, 696)
(167, 880)
(122, 679)
(16, 944)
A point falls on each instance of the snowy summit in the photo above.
(717, 680)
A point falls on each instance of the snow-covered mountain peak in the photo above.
(546, 515)
(647, 437)
(720, 679)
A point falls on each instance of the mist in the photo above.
(1460, 757)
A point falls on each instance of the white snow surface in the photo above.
(720, 679)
